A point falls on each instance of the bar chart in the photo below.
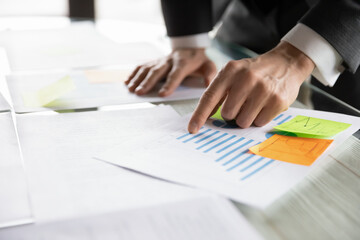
(230, 151)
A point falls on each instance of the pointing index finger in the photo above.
(208, 101)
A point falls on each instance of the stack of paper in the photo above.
(218, 157)
(65, 181)
(89, 88)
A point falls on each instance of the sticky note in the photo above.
(49, 93)
(107, 76)
(217, 115)
(303, 151)
(313, 126)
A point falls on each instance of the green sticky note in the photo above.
(312, 126)
(217, 115)
(49, 93)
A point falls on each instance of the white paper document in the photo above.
(203, 218)
(217, 158)
(78, 45)
(92, 89)
(66, 182)
(14, 199)
(4, 105)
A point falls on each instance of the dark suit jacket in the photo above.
(338, 21)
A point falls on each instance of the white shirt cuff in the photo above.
(201, 40)
(327, 60)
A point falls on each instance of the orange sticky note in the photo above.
(296, 150)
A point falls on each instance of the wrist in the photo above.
(295, 58)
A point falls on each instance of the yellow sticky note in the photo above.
(217, 115)
(49, 93)
(313, 126)
(107, 76)
(296, 150)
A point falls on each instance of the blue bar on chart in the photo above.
(219, 144)
(206, 137)
(230, 145)
(213, 140)
(238, 156)
(275, 119)
(186, 134)
(257, 170)
(287, 118)
(233, 149)
(196, 135)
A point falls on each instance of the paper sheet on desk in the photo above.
(4, 105)
(79, 45)
(88, 94)
(204, 218)
(65, 180)
(14, 199)
(217, 158)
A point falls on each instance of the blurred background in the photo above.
(134, 10)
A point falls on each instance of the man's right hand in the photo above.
(175, 67)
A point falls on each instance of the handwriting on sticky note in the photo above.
(313, 126)
(49, 93)
(107, 76)
(296, 150)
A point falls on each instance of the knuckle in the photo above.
(279, 100)
(201, 115)
(208, 96)
(263, 87)
(182, 61)
(231, 65)
(249, 78)
(261, 121)
(250, 75)
(227, 113)
(242, 123)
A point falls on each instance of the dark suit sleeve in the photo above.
(338, 21)
(187, 17)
